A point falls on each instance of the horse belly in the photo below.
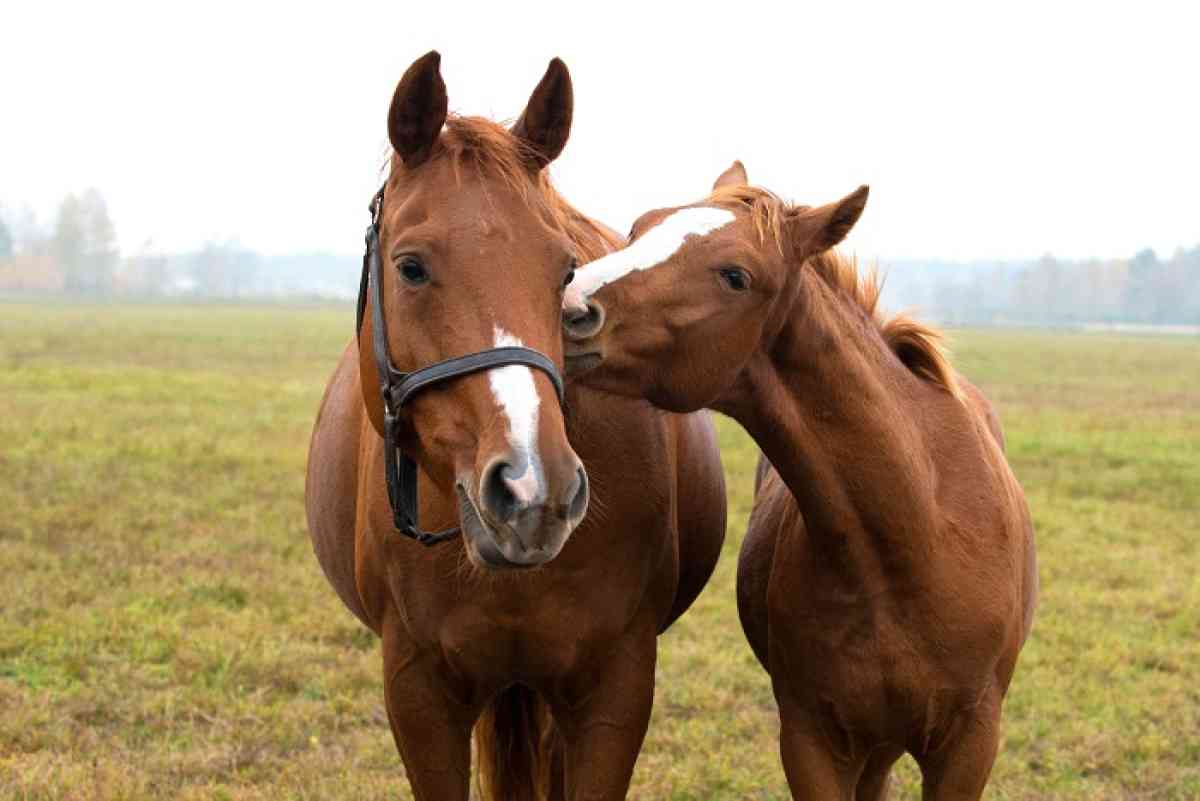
(757, 554)
(701, 508)
(330, 493)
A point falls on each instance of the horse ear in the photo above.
(734, 176)
(546, 122)
(418, 109)
(817, 230)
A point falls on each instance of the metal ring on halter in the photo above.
(397, 388)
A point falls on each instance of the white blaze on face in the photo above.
(516, 395)
(656, 246)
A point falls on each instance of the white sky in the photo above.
(997, 130)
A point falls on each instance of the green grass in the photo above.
(165, 631)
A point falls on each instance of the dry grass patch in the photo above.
(166, 632)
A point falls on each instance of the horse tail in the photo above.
(519, 747)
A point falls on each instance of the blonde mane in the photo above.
(489, 149)
(919, 346)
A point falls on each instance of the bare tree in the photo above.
(6, 242)
(100, 236)
(85, 244)
(70, 244)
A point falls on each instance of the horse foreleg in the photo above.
(813, 771)
(432, 730)
(959, 768)
(604, 720)
(876, 775)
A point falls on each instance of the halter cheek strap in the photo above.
(397, 388)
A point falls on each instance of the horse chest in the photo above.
(869, 653)
(528, 643)
(867, 673)
(514, 626)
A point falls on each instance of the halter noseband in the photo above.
(398, 388)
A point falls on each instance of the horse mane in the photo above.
(920, 347)
(489, 149)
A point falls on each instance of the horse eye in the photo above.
(735, 278)
(413, 270)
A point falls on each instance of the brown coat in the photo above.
(888, 576)
(551, 665)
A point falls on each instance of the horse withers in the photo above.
(587, 527)
(888, 578)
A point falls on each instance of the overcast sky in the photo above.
(998, 130)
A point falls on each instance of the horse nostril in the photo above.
(508, 490)
(576, 497)
(497, 493)
(583, 323)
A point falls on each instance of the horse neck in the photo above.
(838, 416)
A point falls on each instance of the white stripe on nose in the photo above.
(516, 395)
(524, 488)
(573, 302)
(654, 247)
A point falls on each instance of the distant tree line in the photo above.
(1145, 289)
(77, 254)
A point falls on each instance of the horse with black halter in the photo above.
(888, 577)
(504, 605)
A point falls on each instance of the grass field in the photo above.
(165, 631)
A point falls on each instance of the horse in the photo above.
(888, 577)
(587, 528)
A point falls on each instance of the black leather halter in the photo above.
(398, 388)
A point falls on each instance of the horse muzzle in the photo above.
(513, 522)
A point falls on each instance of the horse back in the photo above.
(983, 407)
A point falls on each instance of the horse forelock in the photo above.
(489, 150)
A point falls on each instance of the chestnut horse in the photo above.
(887, 580)
(552, 667)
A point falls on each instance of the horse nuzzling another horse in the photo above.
(536, 629)
(888, 577)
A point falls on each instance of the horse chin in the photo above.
(579, 363)
(670, 401)
(481, 544)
